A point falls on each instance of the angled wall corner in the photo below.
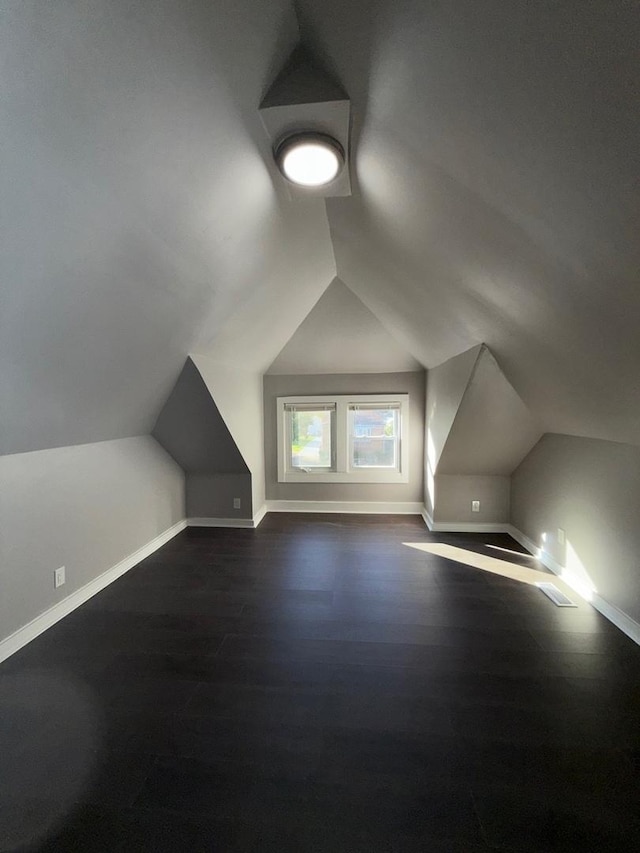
(192, 430)
(238, 397)
(493, 430)
(446, 385)
(341, 335)
(478, 432)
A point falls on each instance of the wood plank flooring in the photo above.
(319, 686)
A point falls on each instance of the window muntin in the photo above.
(343, 439)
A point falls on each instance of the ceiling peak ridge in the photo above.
(341, 334)
(379, 317)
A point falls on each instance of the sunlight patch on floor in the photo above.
(489, 564)
(515, 553)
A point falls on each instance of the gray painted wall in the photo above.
(454, 494)
(84, 507)
(445, 388)
(212, 495)
(238, 395)
(590, 489)
(375, 383)
(190, 428)
(478, 431)
(492, 430)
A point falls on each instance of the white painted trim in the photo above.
(363, 507)
(523, 540)
(31, 630)
(342, 472)
(468, 527)
(257, 518)
(246, 523)
(463, 526)
(428, 520)
(618, 617)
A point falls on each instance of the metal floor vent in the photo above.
(558, 598)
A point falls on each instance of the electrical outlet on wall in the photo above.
(59, 577)
(475, 506)
(236, 503)
(561, 536)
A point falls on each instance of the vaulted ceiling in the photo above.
(495, 170)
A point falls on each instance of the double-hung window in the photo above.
(310, 437)
(343, 439)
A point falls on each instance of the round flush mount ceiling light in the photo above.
(310, 159)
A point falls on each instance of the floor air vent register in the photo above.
(558, 597)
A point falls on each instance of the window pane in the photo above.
(374, 439)
(311, 439)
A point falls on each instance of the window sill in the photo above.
(370, 476)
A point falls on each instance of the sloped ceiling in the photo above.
(341, 335)
(498, 166)
(139, 214)
(495, 177)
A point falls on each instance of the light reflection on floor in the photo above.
(490, 564)
(509, 551)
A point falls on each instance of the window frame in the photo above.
(290, 469)
(341, 435)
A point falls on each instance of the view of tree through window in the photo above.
(374, 438)
(311, 439)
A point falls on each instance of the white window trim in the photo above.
(343, 473)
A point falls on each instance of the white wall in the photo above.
(85, 507)
(238, 396)
(590, 489)
(364, 383)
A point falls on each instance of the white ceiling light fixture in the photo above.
(310, 159)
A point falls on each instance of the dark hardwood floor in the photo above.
(319, 686)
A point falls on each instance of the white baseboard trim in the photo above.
(468, 527)
(463, 526)
(523, 540)
(257, 518)
(427, 517)
(246, 523)
(31, 630)
(619, 618)
(360, 507)
(241, 523)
